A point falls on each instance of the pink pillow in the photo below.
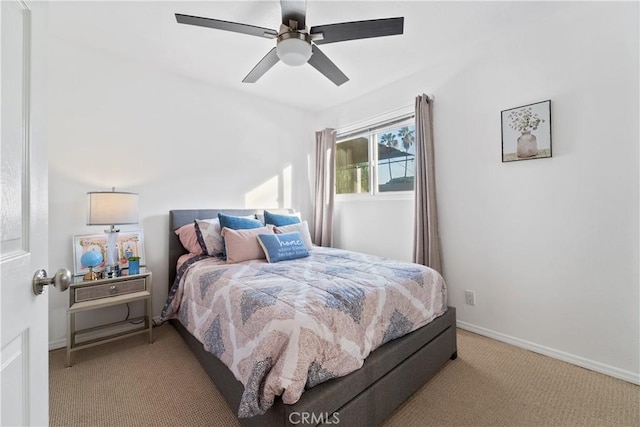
(189, 239)
(243, 245)
(302, 228)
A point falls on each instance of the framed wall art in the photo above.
(526, 132)
(129, 243)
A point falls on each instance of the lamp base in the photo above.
(111, 268)
(91, 275)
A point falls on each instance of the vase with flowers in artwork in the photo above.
(527, 145)
(525, 121)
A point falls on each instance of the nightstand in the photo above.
(94, 294)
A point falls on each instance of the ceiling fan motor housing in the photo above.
(294, 47)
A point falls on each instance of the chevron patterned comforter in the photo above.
(284, 327)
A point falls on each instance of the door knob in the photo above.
(61, 280)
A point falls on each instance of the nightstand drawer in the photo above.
(88, 293)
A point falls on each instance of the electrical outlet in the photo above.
(470, 297)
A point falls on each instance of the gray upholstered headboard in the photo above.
(180, 217)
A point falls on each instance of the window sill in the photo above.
(367, 197)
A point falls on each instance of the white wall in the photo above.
(177, 142)
(549, 246)
(384, 227)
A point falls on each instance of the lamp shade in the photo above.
(112, 207)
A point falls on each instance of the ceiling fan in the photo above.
(295, 45)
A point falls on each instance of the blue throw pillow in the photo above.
(236, 223)
(281, 247)
(280, 220)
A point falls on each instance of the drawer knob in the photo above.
(112, 289)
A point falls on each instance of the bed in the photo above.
(366, 396)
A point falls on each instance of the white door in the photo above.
(24, 370)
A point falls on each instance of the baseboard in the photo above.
(59, 343)
(592, 365)
(62, 342)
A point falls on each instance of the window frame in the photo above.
(369, 132)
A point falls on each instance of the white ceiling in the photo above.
(147, 31)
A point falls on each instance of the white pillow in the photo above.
(209, 232)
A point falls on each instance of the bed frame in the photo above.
(389, 376)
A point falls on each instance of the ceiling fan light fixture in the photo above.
(294, 48)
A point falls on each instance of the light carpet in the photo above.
(132, 383)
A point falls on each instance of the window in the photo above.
(378, 159)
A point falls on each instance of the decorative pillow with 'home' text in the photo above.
(281, 247)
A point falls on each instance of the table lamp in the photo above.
(112, 208)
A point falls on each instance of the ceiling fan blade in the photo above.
(227, 26)
(322, 63)
(357, 30)
(265, 64)
(295, 10)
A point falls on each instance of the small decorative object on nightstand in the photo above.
(134, 264)
(91, 259)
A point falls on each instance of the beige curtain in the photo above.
(325, 183)
(426, 243)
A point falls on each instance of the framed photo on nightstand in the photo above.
(129, 243)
